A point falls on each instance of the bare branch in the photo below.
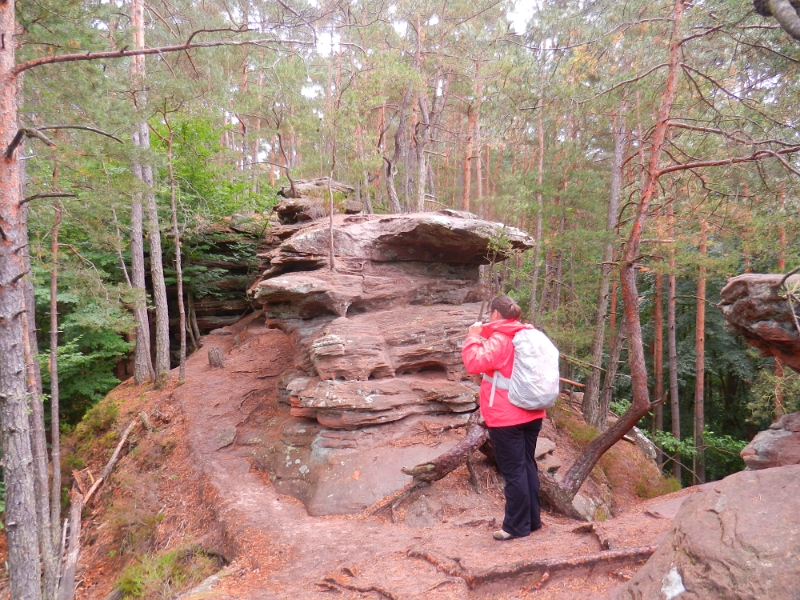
(49, 60)
(26, 132)
(83, 128)
(756, 156)
(47, 195)
(626, 82)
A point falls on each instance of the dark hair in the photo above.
(506, 306)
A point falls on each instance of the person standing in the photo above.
(488, 348)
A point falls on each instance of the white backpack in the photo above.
(534, 383)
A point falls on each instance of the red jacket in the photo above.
(493, 350)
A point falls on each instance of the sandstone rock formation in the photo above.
(377, 343)
(777, 446)
(756, 308)
(738, 539)
(379, 337)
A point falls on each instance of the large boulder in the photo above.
(756, 308)
(778, 446)
(739, 539)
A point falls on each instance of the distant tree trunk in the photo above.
(537, 251)
(672, 345)
(658, 348)
(591, 412)
(700, 366)
(399, 152)
(611, 377)
(658, 358)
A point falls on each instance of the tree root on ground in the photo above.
(337, 583)
(476, 578)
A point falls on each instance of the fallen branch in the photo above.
(438, 468)
(547, 566)
(112, 461)
(66, 588)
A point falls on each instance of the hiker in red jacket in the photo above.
(512, 430)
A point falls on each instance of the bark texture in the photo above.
(20, 514)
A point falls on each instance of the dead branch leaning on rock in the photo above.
(425, 473)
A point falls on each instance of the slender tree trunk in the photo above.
(55, 443)
(178, 266)
(658, 358)
(672, 346)
(700, 363)
(591, 412)
(18, 473)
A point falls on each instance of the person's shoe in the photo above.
(502, 536)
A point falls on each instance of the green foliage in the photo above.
(774, 396)
(98, 420)
(164, 575)
(645, 487)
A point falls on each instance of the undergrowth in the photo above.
(161, 576)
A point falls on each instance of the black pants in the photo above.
(515, 448)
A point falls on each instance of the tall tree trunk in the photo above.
(700, 363)
(537, 251)
(640, 404)
(144, 171)
(672, 345)
(591, 412)
(143, 362)
(18, 475)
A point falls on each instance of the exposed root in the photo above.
(336, 583)
(474, 579)
(606, 543)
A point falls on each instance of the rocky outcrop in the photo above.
(738, 539)
(377, 343)
(756, 307)
(379, 336)
(778, 446)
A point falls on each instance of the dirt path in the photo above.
(284, 553)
